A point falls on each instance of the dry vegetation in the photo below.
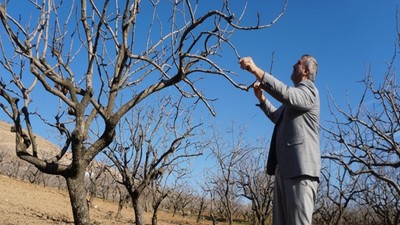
(25, 203)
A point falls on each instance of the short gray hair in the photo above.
(312, 66)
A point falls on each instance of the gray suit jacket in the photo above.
(297, 138)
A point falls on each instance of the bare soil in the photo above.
(23, 203)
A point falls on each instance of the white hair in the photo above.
(312, 66)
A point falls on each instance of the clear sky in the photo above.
(345, 36)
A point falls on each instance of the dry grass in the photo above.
(23, 203)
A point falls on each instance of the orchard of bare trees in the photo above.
(118, 85)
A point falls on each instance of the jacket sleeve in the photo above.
(302, 97)
(270, 110)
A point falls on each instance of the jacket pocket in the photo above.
(294, 141)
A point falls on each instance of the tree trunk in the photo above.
(229, 212)
(263, 220)
(154, 217)
(121, 202)
(260, 217)
(199, 215)
(77, 195)
(339, 218)
(214, 220)
(137, 207)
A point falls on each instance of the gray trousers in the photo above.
(294, 200)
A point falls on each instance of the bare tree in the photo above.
(14, 168)
(60, 182)
(159, 195)
(95, 172)
(93, 61)
(164, 187)
(383, 200)
(202, 203)
(180, 198)
(186, 200)
(122, 201)
(256, 185)
(3, 156)
(366, 135)
(213, 200)
(152, 142)
(159, 191)
(338, 192)
(228, 155)
(107, 186)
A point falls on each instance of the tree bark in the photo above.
(137, 207)
(201, 209)
(77, 194)
(154, 218)
(121, 202)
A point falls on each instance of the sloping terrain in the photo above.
(23, 203)
(7, 142)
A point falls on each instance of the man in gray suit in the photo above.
(294, 155)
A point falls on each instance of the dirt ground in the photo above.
(23, 203)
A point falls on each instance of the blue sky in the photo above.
(345, 36)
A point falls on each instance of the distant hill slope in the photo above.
(7, 142)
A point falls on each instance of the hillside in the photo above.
(7, 142)
(23, 203)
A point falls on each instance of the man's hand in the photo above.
(248, 64)
(258, 91)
